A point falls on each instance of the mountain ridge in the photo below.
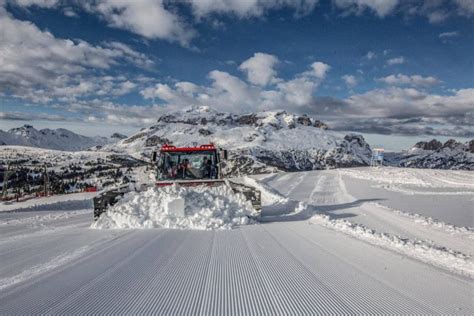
(257, 142)
(57, 139)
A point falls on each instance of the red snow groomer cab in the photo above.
(189, 166)
(184, 166)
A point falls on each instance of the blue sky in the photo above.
(395, 68)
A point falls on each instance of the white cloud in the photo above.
(380, 7)
(37, 66)
(70, 12)
(465, 7)
(318, 70)
(396, 61)
(446, 35)
(230, 92)
(414, 80)
(148, 18)
(249, 8)
(350, 80)
(437, 16)
(260, 69)
(436, 11)
(39, 3)
(370, 55)
(409, 102)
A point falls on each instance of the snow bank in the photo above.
(453, 261)
(464, 231)
(205, 208)
(56, 202)
(415, 181)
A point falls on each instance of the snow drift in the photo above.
(442, 257)
(205, 208)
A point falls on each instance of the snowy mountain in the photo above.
(257, 142)
(58, 139)
(436, 155)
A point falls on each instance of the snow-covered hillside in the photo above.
(67, 171)
(257, 142)
(436, 155)
(58, 139)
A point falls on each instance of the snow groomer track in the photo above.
(340, 251)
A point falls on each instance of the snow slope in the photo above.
(318, 250)
(59, 139)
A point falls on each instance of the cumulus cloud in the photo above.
(370, 55)
(38, 3)
(148, 18)
(253, 8)
(36, 65)
(436, 11)
(409, 102)
(174, 21)
(159, 19)
(380, 7)
(414, 127)
(403, 111)
(232, 93)
(396, 61)
(465, 7)
(414, 80)
(318, 70)
(260, 69)
(350, 80)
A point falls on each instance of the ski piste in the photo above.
(332, 241)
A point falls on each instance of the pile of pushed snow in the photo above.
(449, 259)
(205, 208)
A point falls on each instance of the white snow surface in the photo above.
(205, 208)
(424, 251)
(322, 246)
(416, 181)
(49, 202)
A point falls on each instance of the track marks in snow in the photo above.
(54, 286)
(99, 290)
(42, 268)
(292, 282)
(177, 288)
(348, 282)
(234, 286)
(393, 284)
(335, 208)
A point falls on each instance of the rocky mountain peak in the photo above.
(433, 144)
